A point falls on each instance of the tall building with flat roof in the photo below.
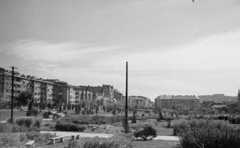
(168, 101)
(41, 90)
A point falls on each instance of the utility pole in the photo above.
(126, 105)
(2, 80)
(12, 92)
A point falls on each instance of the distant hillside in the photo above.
(217, 98)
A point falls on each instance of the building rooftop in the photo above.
(177, 97)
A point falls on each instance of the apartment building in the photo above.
(106, 90)
(41, 90)
(69, 94)
(1, 82)
(61, 91)
(118, 95)
(139, 102)
(80, 93)
(168, 101)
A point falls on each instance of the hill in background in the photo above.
(217, 98)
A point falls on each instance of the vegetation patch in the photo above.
(117, 141)
(207, 134)
(145, 133)
(65, 126)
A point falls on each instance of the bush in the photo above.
(31, 123)
(32, 112)
(91, 119)
(22, 137)
(28, 122)
(9, 140)
(168, 124)
(137, 126)
(63, 126)
(178, 126)
(44, 138)
(38, 122)
(209, 134)
(38, 137)
(117, 141)
(20, 121)
(32, 135)
(16, 129)
(46, 115)
(145, 132)
(11, 128)
(5, 127)
(9, 120)
(73, 144)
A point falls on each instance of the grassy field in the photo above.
(4, 115)
(138, 144)
(156, 144)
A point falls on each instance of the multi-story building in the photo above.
(134, 101)
(46, 92)
(118, 95)
(168, 101)
(69, 94)
(61, 91)
(20, 84)
(139, 102)
(238, 100)
(108, 90)
(41, 90)
(1, 84)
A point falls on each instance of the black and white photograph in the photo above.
(119, 74)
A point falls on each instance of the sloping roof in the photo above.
(177, 97)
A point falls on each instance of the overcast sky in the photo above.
(173, 47)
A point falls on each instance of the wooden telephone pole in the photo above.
(126, 104)
(12, 92)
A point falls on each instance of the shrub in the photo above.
(44, 138)
(178, 126)
(5, 127)
(168, 123)
(91, 119)
(9, 120)
(39, 138)
(46, 115)
(146, 132)
(20, 121)
(117, 141)
(209, 134)
(32, 112)
(9, 140)
(22, 137)
(32, 135)
(137, 126)
(63, 126)
(28, 122)
(38, 122)
(15, 128)
(73, 144)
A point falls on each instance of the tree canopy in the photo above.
(23, 99)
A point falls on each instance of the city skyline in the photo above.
(172, 47)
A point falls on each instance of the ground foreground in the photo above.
(137, 144)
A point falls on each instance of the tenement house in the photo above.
(41, 90)
(168, 101)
